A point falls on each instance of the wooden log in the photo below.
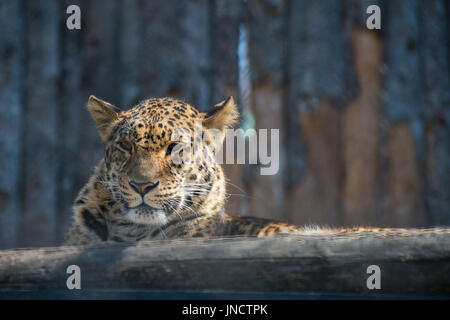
(413, 263)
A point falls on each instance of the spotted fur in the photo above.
(138, 192)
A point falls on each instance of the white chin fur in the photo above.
(155, 218)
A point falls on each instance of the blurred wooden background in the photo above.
(364, 116)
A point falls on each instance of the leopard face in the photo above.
(159, 161)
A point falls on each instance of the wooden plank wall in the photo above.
(11, 121)
(364, 116)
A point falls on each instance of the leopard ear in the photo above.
(103, 114)
(224, 115)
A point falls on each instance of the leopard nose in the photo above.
(143, 187)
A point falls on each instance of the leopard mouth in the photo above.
(146, 208)
(145, 214)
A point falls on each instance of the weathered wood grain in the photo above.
(361, 121)
(267, 25)
(436, 78)
(318, 83)
(11, 121)
(71, 110)
(417, 263)
(41, 116)
(195, 39)
(100, 67)
(226, 19)
(403, 108)
(130, 54)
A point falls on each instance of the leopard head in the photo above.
(159, 161)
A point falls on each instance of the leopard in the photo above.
(159, 178)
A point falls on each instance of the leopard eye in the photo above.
(170, 148)
(125, 145)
